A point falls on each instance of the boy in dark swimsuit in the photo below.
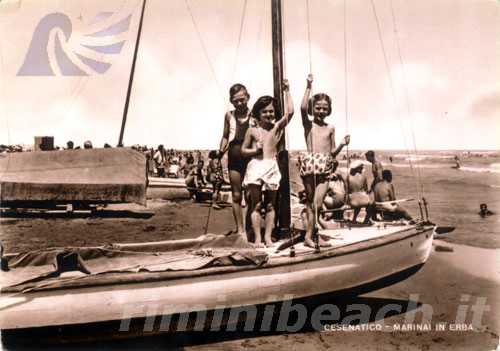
(236, 123)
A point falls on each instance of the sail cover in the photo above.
(89, 176)
(131, 263)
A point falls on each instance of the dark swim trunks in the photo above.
(235, 161)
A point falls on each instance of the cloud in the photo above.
(485, 106)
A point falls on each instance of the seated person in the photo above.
(376, 168)
(335, 194)
(358, 191)
(483, 211)
(195, 179)
(384, 192)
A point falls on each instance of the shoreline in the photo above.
(166, 203)
(486, 258)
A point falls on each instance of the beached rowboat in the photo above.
(79, 177)
(360, 260)
(176, 183)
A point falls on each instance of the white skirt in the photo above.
(263, 172)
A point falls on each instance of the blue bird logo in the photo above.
(55, 51)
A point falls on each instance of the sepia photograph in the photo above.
(249, 175)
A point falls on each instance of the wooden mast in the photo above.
(277, 41)
(131, 78)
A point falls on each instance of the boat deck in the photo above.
(174, 276)
(182, 258)
(341, 237)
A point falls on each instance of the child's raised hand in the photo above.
(346, 140)
(286, 85)
(309, 80)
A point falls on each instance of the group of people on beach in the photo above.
(251, 138)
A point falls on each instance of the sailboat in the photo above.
(75, 288)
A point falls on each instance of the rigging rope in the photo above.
(391, 84)
(407, 99)
(258, 39)
(242, 23)
(205, 51)
(315, 207)
(309, 37)
(207, 57)
(346, 104)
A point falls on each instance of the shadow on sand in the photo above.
(244, 327)
(73, 215)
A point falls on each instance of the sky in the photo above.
(425, 78)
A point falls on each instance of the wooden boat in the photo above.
(360, 260)
(175, 183)
(78, 177)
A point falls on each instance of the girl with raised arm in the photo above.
(263, 174)
(317, 164)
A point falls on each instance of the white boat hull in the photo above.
(348, 267)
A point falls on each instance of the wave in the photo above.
(480, 169)
(406, 165)
(422, 157)
(443, 155)
(493, 168)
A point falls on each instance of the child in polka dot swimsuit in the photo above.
(317, 164)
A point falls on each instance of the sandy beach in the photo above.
(454, 275)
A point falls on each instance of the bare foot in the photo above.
(322, 243)
(269, 243)
(258, 245)
(309, 243)
(243, 236)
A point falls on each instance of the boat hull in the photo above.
(364, 264)
(94, 176)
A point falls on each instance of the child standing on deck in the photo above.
(317, 164)
(236, 124)
(261, 143)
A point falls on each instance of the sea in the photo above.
(453, 195)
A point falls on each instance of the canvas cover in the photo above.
(108, 175)
(38, 269)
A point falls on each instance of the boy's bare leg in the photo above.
(270, 216)
(236, 179)
(215, 197)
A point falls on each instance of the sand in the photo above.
(466, 272)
